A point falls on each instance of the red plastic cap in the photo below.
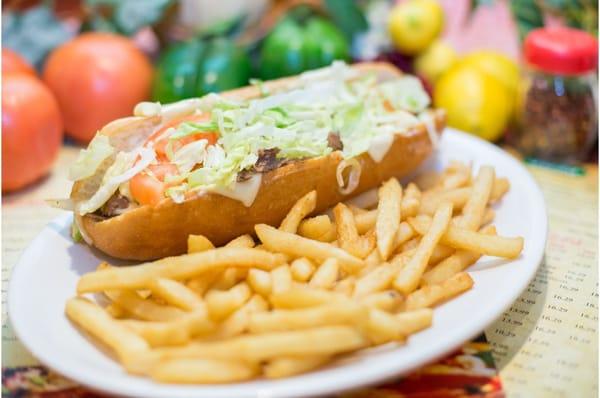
(561, 50)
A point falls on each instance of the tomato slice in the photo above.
(160, 145)
(149, 190)
(388, 106)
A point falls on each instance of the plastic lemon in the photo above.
(415, 24)
(435, 60)
(474, 101)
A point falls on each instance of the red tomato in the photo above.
(13, 62)
(97, 77)
(160, 146)
(149, 190)
(32, 130)
(146, 189)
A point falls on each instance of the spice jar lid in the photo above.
(561, 50)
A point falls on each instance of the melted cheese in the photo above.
(380, 145)
(245, 191)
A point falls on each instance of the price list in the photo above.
(546, 344)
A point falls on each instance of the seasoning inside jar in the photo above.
(557, 118)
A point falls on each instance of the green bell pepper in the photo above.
(194, 68)
(299, 44)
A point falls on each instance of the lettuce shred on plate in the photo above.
(297, 122)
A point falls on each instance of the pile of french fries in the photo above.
(305, 293)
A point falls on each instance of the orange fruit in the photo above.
(97, 77)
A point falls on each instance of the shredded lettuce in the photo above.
(406, 93)
(190, 128)
(91, 158)
(125, 167)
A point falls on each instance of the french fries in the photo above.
(311, 290)
(199, 243)
(302, 269)
(195, 370)
(453, 264)
(323, 315)
(459, 238)
(176, 294)
(326, 275)
(289, 366)
(318, 228)
(221, 303)
(298, 246)
(347, 233)
(94, 320)
(260, 281)
(431, 295)
(182, 267)
(303, 207)
(388, 216)
(472, 214)
(281, 278)
(409, 276)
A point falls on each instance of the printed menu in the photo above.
(546, 344)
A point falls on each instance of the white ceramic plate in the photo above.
(48, 270)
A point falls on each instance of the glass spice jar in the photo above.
(556, 115)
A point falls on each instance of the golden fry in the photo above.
(347, 234)
(289, 366)
(387, 300)
(458, 238)
(318, 228)
(326, 275)
(431, 295)
(298, 246)
(302, 269)
(199, 243)
(474, 209)
(194, 370)
(281, 279)
(346, 313)
(221, 303)
(388, 216)
(182, 267)
(409, 276)
(328, 340)
(260, 281)
(147, 310)
(94, 320)
(242, 241)
(303, 207)
(454, 264)
(177, 294)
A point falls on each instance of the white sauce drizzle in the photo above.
(244, 191)
(429, 121)
(380, 145)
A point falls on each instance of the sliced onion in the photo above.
(353, 178)
(429, 122)
(147, 109)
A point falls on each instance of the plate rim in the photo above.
(319, 390)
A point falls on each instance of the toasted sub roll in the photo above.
(149, 232)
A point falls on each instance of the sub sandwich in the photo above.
(220, 164)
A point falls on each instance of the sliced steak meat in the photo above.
(267, 161)
(334, 142)
(114, 206)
